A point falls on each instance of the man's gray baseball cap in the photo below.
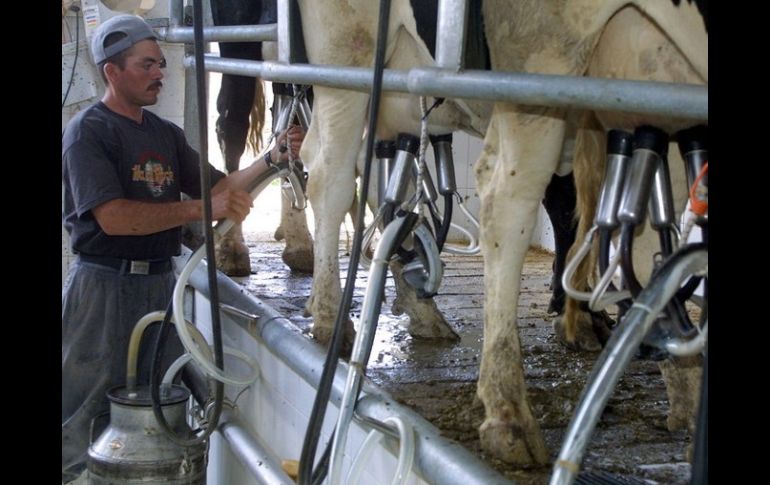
(134, 28)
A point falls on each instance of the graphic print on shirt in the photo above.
(154, 172)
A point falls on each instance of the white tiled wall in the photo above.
(465, 151)
(278, 408)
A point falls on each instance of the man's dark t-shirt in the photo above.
(108, 156)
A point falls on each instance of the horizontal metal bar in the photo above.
(222, 33)
(355, 78)
(646, 97)
(250, 451)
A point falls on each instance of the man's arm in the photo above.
(123, 217)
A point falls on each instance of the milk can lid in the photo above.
(140, 395)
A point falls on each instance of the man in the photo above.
(124, 169)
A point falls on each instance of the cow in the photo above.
(241, 115)
(644, 40)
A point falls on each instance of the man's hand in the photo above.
(289, 141)
(231, 204)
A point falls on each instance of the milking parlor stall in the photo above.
(437, 331)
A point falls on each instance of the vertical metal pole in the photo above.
(175, 13)
(191, 119)
(285, 37)
(450, 33)
(191, 122)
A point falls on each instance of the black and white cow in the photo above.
(241, 109)
(644, 40)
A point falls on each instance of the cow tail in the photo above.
(588, 166)
(254, 138)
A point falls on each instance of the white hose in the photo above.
(569, 271)
(600, 298)
(367, 240)
(405, 453)
(205, 363)
(183, 359)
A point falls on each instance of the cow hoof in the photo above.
(556, 305)
(232, 258)
(437, 329)
(278, 234)
(300, 260)
(682, 377)
(507, 443)
(324, 336)
(602, 325)
(425, 321)
(585, 338)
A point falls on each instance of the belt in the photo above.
(129, 266)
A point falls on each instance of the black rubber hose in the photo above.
(205, 180)
(605, 238)
(443, 230)
(666, 244)
(315, 423)
(700, 465)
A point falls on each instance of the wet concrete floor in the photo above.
(438, 380)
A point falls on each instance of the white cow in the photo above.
(332, 146)
(610, 38)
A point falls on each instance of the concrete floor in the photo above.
(438, 379)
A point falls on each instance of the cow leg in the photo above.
(425, 320)
(511, 177)
(234, 102)
(577, 327)
(298, 252)
(329, 150)
(559, 203)
(236, 96)
(682, 376)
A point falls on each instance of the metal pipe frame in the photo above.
(222, 33)
(437, 459)
(451, 29)
(618, 353)
(645, 97)
(250, 450)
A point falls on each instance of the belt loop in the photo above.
(124, 266)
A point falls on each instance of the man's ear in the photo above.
(110, 70)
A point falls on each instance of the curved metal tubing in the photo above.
(618, 353)
(370, 312)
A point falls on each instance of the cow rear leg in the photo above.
(511, 179)
(298, 252)
(592, 330)
(577, 327)
(682, 376)
(559, 202)
(338, 120)
(234, 102)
